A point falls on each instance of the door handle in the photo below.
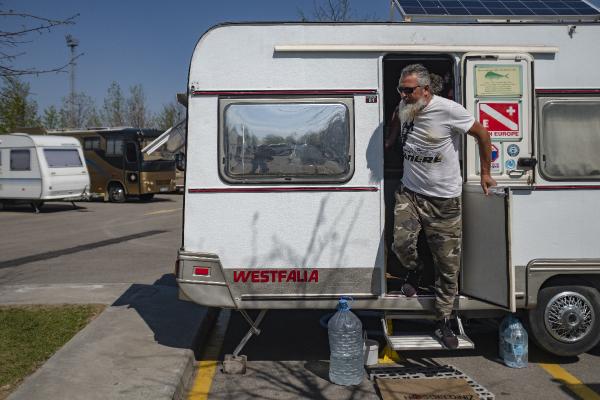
(516, 173)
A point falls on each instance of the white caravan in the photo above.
(289, 191)
(39, 168)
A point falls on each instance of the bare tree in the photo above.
(138, 115)
(169, 116)
(84, 112)
(25, 27)
(332, 11)
(16, 109)
(114, 110)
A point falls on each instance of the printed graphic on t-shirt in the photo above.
(407, 128)
(422, 156)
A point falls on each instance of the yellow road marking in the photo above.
(574, 384)
(389, 355)
(163, 211)
(207, 366)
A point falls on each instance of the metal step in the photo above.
(412, 341)
(422, 341)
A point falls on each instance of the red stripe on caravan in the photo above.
(567, 91)
(287, 189)
(568, 187)
(282, 92)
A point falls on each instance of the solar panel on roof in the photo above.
(569, 9)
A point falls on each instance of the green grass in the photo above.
(29, 335)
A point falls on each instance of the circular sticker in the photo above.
(510, 164)
(513, 150)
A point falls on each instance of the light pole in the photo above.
(72, 43)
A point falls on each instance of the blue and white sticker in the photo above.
(513, 150)
(510, 164)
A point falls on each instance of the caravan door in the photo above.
(497, 89)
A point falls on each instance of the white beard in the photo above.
(408, 111)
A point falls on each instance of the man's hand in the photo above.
(487, 182)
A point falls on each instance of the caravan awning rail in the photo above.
(422, 48)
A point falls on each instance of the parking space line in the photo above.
(574, 384)
(163, 211)
(207, 366)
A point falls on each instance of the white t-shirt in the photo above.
(431, 164)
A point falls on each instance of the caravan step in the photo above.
(416, 341)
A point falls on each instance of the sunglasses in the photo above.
(406, 90)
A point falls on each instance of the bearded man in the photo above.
(429, 198)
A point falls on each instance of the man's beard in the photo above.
(408, 111)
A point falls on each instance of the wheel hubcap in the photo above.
(569, 317)
(118, 194)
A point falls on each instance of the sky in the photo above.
(145, 42)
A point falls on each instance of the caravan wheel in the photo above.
(116, 193)
(566, 321)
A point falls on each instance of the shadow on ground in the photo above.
(174, 323)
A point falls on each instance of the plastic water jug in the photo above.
(513, 342)
(346, 346)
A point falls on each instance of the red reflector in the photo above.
(201, 271)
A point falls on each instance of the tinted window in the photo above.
(20, 160)
(62, 158)
(131, 153)
(91, 143)
(272, 140)
(114, 147)
(570, 139)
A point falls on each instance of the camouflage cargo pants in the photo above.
(441, 222)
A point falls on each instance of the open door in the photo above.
(487, 273)
(498, 90)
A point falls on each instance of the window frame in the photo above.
(346, 101)
(543, 102)
(11, 160)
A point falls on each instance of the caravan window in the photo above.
(570, 138)
(114, 147)
(287, 140)
(20, 160)
(62, 158)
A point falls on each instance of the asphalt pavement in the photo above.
(144, 345)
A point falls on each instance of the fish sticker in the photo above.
(495, 75)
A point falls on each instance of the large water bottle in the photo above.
(346, 345)
(513, 342)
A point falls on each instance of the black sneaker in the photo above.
(408, 290)
(444, 333)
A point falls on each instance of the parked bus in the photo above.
(118, 170)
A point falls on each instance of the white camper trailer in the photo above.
(289, 191)
(39, 168)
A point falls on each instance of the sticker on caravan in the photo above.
(501, 119)
(496, 166)
(513, 150)
(510, 164)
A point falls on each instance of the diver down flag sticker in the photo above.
(501, 119)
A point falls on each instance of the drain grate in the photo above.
(434, 372)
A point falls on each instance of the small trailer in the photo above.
(289, 192)
(39, 168)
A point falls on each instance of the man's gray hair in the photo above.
(420, 71)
